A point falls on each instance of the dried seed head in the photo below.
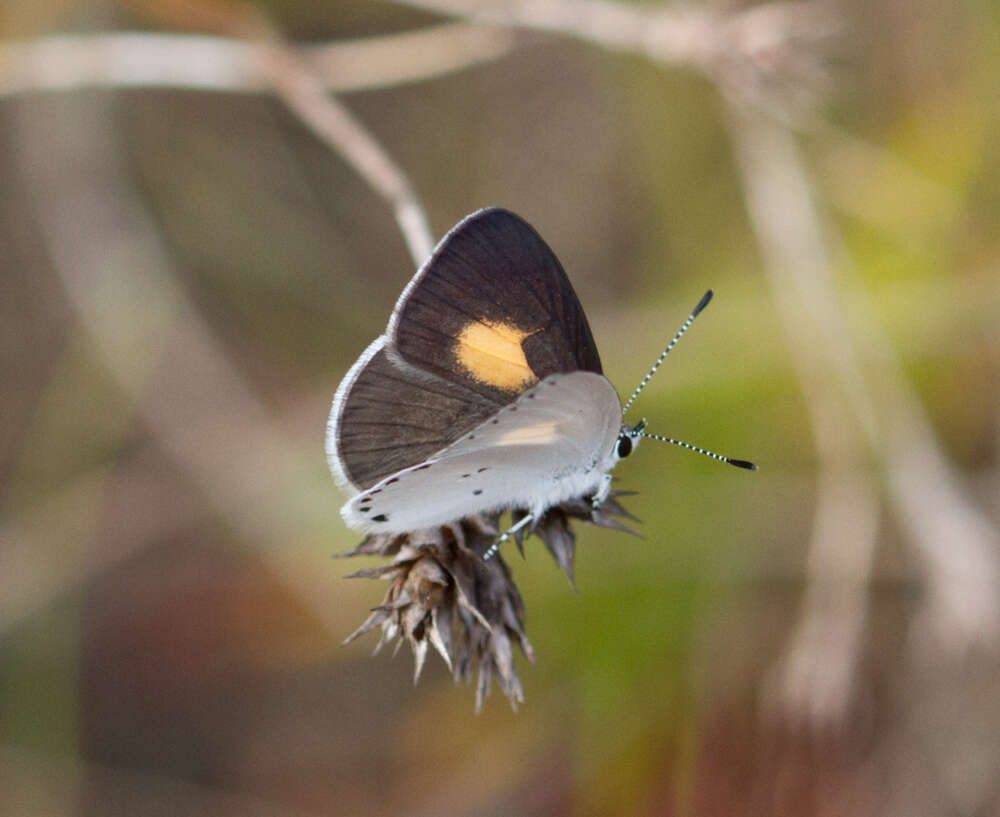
(442, 594)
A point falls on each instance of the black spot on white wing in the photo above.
(380, 518)
(477, 492)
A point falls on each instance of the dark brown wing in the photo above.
(493, 310)
(488, 315)
(386, 418)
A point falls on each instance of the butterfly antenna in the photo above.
(694, 314)
(746, 464)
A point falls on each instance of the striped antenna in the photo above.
(749, 466)
(701, 305)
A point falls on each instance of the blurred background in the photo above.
(190, 260)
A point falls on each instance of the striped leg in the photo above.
(519, 525)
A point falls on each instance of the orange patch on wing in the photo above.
(540, 434)
(491, 353)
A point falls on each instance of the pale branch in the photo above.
(859, 402)
(205, 63)
(302, 90)
(301, 77)
(770, 55)
(814, 680)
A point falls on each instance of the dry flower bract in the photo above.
(443, 595)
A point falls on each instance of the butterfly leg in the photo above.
(602, 493)
(517, 526)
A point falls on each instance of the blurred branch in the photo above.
(764, 54)
(202, 63)
(303, 91)
(815, 679)
(958, 549)
(743, 52)
(670, 35)
(302, 78)
(956, 542)
(117, 274)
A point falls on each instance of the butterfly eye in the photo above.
(624, 446)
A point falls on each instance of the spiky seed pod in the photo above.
(443, 595)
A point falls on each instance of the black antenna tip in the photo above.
(702, 303)
(749, 466)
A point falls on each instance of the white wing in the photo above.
(555, 442)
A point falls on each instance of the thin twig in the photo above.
(670, 35)
(303, 91)
(957, 546)
(206, 63)
(302, 78)
(815, 679)
(764, 54)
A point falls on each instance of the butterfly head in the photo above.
(628, 439)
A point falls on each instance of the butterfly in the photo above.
(484, 394)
